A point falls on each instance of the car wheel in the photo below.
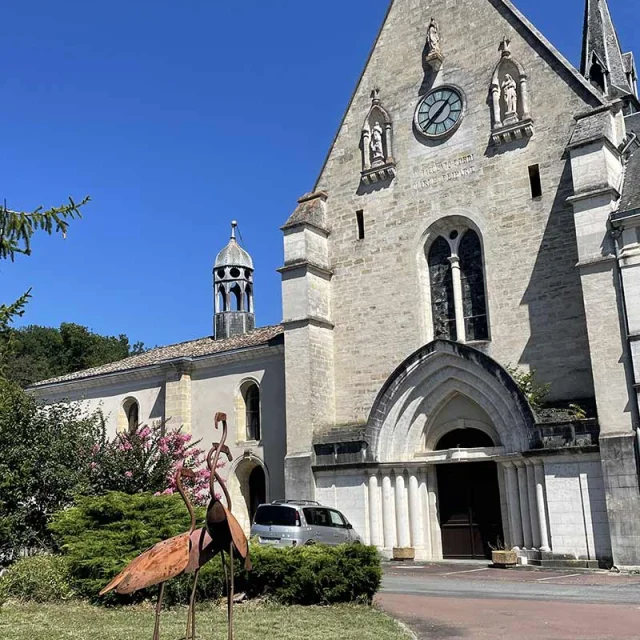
(309, 543)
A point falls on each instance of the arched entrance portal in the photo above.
(248, 487)
(469, 499)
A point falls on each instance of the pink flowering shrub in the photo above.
(147, 461)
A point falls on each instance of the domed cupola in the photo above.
(233, 290)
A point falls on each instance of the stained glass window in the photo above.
(442, 304)
(473, 293)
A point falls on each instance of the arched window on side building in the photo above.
(131, 409)
(252, 412)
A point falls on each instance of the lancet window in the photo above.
(457, 283)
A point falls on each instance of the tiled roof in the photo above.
(193, 349)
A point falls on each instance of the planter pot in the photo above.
(405, 553)
(504, 559)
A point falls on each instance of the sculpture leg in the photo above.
(230, 597)
(156, 630)
(191, 615)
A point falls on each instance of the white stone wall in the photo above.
(397, 507)
(216, 388)
(347, 492)
(109, 396)
(577, 507)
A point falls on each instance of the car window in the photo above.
(272, 515)
(336, 519)
(317, 517)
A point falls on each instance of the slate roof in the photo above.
(630, 199)
(311, 210)
(192, 349)
(600, 38)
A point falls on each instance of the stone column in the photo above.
(415, 523)
(524, 505)
(434, 523)
(402, 512)
(541, 502)
(495, 101)
(426, 515)
(457, 298)
(375, 515)
(524, 97)
(533, 503)
(388, 128)
(388, 513)
(366, 153)
(513, 504)
(177, 403)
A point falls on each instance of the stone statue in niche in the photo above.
(433, 37)
(376, 144)
(377, 148)
(510, 109)
(433, 50)
(510, 93)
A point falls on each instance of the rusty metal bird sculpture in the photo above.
(225, 531)
(165, 560)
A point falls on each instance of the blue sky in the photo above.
(177, 117)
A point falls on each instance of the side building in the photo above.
(239, 371)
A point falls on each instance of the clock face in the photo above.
(440, 112)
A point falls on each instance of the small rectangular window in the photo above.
(360, 221)
(534, 179)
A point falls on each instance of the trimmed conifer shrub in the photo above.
(101, 535)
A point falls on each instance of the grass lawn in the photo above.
(73, 621)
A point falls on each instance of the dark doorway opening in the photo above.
(257, 490)
(469, 506)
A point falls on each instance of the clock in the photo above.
(440, 112)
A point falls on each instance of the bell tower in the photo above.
(233, 290)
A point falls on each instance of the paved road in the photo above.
(475, 602)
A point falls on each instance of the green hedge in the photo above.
(101, 535)
(37, 579)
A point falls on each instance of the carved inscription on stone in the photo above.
(446, 171)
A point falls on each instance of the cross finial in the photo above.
(375, 95)
(505, 46)
(234, 224)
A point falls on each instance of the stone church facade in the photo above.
(478, 212)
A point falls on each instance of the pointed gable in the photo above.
(602, 60)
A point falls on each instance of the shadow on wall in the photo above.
(577, 510)
(558, 347)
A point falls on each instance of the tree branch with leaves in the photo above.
(16, 230)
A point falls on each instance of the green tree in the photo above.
(39, 353)
(45, 458)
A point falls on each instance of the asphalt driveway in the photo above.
(475, 602)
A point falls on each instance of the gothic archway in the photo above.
(416, 392)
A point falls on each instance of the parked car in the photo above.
(291, 523)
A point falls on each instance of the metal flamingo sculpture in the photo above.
(225, 531)
(163, 561)
(203, 548)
